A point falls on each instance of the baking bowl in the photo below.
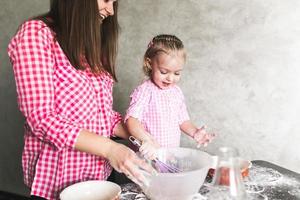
(184, 185)
(92, 190)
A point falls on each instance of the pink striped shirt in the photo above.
(160, 111)
(58, 101)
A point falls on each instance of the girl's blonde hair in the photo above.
(161, 44)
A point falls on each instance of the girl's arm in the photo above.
(137, 130)
(149, 145)
(188, 128)
(198, 134)
(121, 131)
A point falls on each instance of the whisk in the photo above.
(161, 166)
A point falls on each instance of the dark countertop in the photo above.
(11, 196)
(265, 178)
(277, 183)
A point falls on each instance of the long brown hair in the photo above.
(83, 35)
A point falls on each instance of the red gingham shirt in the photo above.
(161, 112)
(58, 101)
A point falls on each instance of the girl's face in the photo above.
(106, 8)
(166, 69)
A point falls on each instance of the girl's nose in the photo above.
(170, 78)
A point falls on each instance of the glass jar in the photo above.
(227, 183)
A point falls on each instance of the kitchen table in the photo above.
(273, 181)
(265, 178)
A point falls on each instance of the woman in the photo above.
(64, 67)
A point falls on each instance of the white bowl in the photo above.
(178, 186)
(91, 190)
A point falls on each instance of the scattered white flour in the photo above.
(262, 184)
(263, 175)
(272, 184)
(267, 184)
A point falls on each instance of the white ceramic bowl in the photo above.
(178, 186)
(91, 190)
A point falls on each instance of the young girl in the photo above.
(157, 112)
(64, 67)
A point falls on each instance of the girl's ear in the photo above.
(148, 63)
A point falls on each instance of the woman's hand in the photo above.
(121, 158)
(124, 160)
(202, 137)
(149, 149)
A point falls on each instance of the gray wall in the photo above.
(12, 13)
(241, 77)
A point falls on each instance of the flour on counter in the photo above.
(262, 184)
(272, 183)
(131, 191)
(263, 175)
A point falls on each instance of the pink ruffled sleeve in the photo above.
(139, 103)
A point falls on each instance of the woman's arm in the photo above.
(122, 159)
(31, 53)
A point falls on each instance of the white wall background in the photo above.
(241, 78)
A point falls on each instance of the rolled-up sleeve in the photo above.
(115, 120)
(33, 64)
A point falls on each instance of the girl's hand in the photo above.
(149, 149)
(202, 137)
(124, 160)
